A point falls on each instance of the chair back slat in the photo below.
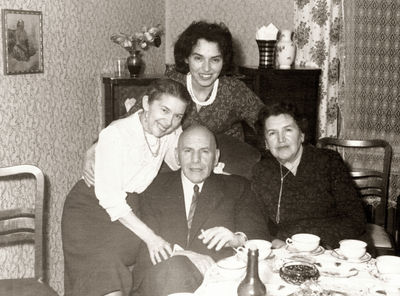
(25, 225)
(14, 213)
(15, 225)
(16, 238)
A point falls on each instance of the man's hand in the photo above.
(88, 165)
(220, 237)
(159, 249)
(202, 262)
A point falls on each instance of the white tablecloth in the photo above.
(366, 282)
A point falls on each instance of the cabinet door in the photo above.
(299, 87)
(124, 92)
(118, 89)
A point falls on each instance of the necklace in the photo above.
(156, 144)
(278, 212)
(190, 90)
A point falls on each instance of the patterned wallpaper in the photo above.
(50, 119)
(243, 18)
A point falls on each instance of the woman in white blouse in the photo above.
(101, 226)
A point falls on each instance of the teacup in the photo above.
(353, 248)
(388, 264)
(263, 246)
(304, 242)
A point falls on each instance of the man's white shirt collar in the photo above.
(188, 191)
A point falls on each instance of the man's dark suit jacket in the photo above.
(225, 200)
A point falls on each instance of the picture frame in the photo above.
(22, 32)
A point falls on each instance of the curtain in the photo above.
(317, 30)
(356, 43)
(370, 105)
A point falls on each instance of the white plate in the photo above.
(338, 255)
(318, 251)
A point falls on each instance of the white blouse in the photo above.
(124, 163)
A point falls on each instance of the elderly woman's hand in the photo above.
(88, 166)
(277, 244)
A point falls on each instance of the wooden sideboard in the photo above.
(297, 85)
(118, 89)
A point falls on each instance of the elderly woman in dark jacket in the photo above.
(303, 188)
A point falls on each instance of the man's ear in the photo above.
(186, 60)
(145, 102)
(302, 137)
(217, 153)
(266, 145)
(177, 156)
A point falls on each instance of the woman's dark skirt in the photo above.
(97, 252)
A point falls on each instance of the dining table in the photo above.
(338, 276)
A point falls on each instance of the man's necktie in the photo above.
(192, 209)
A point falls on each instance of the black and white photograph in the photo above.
(22, 41)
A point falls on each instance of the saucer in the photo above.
(337, 271)
(338, 255)
(318, 251)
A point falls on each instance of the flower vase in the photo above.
(285, 50)
(134, 63)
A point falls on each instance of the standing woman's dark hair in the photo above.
(212, 32)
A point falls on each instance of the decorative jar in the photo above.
(285, 50)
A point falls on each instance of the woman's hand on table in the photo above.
(277, 244)
(202, 262)
(88, 165)
(159, 249)
(219, 237)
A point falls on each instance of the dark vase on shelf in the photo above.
(134, 63)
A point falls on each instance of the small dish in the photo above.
(338, 255)
(298, 272)
(318, 251)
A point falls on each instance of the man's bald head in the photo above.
(197, 153)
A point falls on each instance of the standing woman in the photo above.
(101, 226)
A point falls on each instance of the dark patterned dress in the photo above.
(321, 198)
(234, 103)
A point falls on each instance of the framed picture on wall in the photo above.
(22, 41)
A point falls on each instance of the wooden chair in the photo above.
(25, 225)
(371, 183)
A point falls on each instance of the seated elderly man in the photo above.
(303, 188)
(206, 214)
